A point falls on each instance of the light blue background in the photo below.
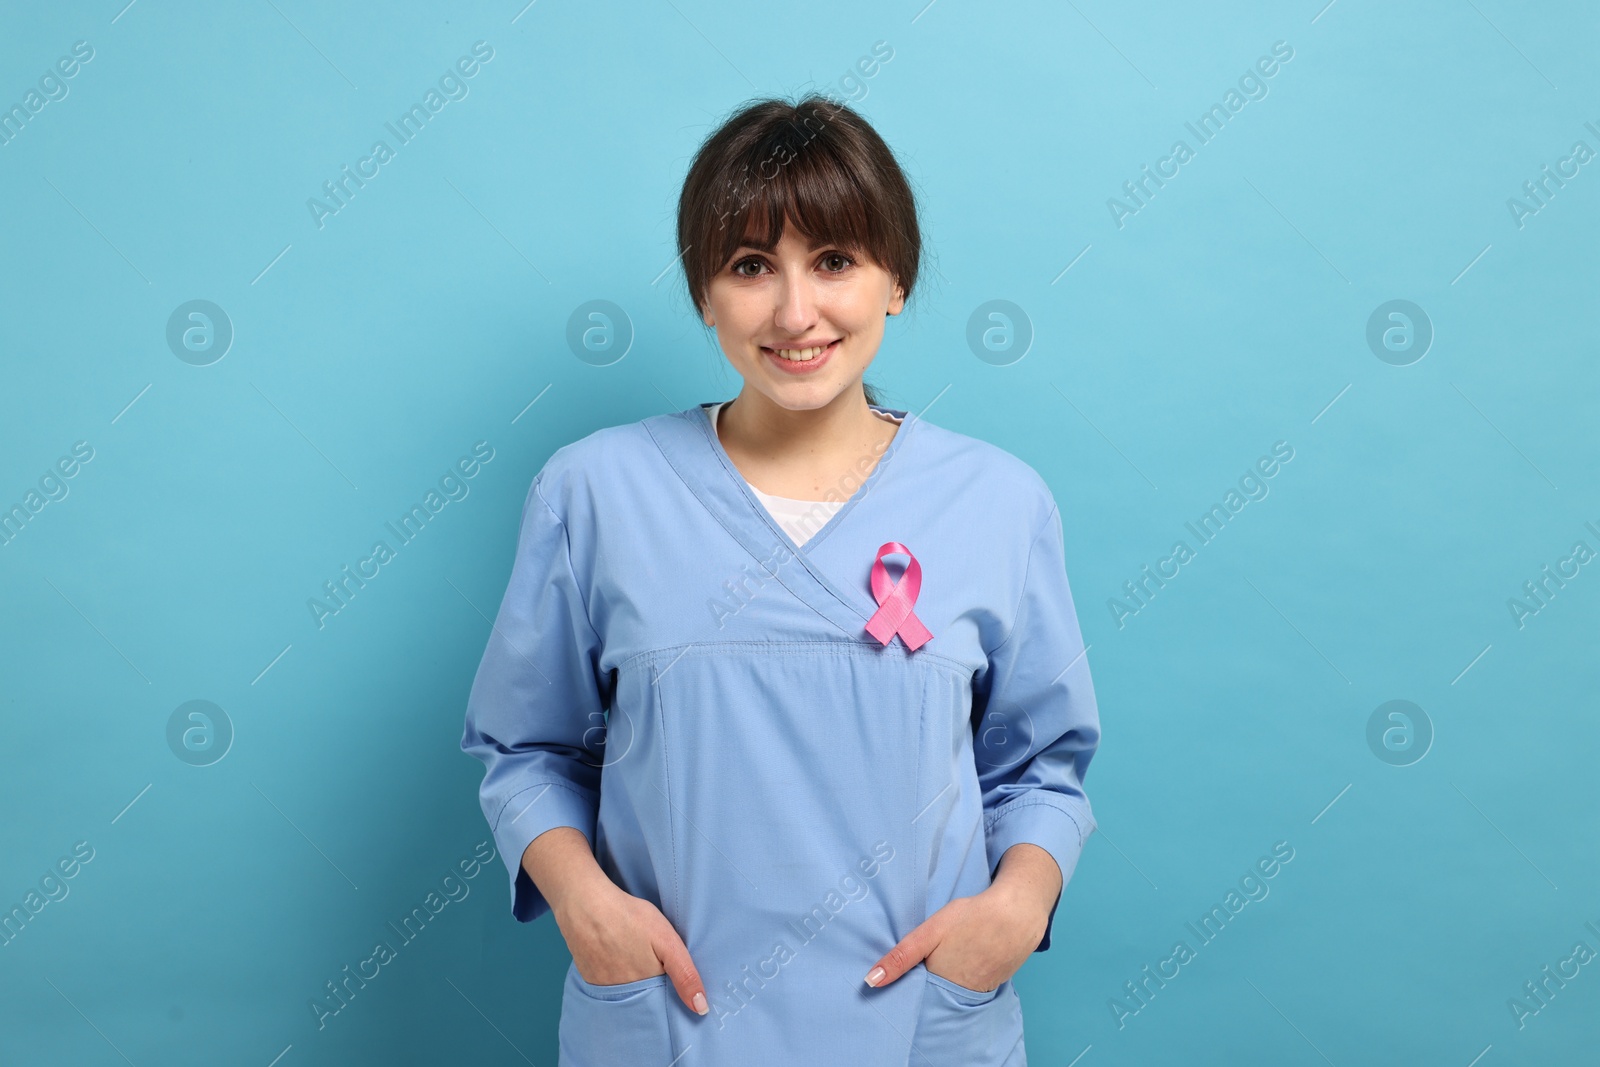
(1229, 313)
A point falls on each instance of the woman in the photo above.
(789, 806)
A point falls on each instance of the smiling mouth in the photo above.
(800, 355)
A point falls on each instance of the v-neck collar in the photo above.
(691, 445)
(703, 417)
(713, 413)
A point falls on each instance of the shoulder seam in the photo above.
(1027, 572)
(566, 552)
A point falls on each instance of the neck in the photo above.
(752, 424)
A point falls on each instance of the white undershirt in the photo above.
(799, 518)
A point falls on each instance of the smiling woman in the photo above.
(678, 788)
(826, 148)
(797, 274)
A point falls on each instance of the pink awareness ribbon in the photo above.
(894, 614)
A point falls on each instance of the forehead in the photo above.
(790, 236)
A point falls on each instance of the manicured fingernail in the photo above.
(700, 1003)
(875, 977)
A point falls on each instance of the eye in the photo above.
(845, 261)
(747, 261)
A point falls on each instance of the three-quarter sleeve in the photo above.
(1036, 724)
(537, 697)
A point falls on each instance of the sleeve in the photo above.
(535, 713)
(1036, 725)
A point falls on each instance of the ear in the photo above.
(897, 302)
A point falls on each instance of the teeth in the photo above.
(799, 355)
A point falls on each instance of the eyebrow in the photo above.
(768, 248)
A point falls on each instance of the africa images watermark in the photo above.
(53, 888)
(52, 88)
(343, 590)
(1538, 592)
(1253, 887)
(52, 487)
(804, 930)
(1210, 123)
(739, 591)
(453, 889)
(1538, 993)
(1252, 484)
(1539, 191)
(452, 86)
(867, 66)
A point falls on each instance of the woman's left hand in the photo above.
(977, 941)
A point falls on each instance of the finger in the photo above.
(912, 950)
(681, 971)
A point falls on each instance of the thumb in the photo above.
(674, 956)
(912, 950)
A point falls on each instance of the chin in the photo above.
(809, 397)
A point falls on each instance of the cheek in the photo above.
(861, 347)
(736, 334)
(731, 315)
(862, 306)
(861, 317)
(737, 327)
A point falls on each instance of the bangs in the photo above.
(815, 165)
(813, 191)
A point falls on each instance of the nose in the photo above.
(796, 312)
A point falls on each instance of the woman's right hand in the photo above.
(613, 936)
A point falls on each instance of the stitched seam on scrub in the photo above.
(1026, 572)
(869, 483)
(1007, 808)
(566, 545)
(922, 865)
(574, 790)
(723, 520)
(832, 648)
(672, 834)
(666, 776)
(708, 428)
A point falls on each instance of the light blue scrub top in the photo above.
(670, 674)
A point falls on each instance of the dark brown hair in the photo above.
(815, 162)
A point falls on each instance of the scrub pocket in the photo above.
(602, 1025)
(964, 1026)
